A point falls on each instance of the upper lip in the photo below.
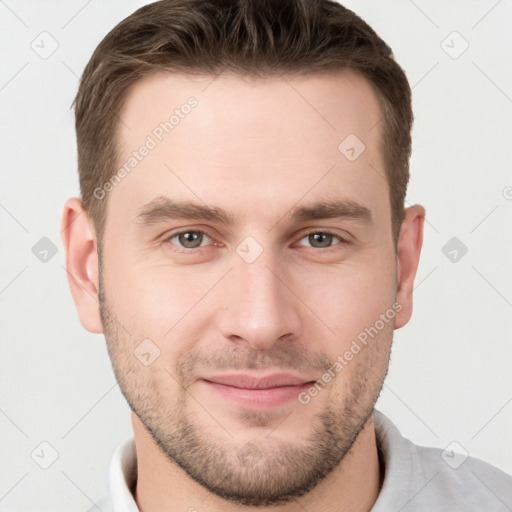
(246, 381)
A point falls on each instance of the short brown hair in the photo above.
(248, 37)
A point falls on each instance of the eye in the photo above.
(320, 240)
(190, 239)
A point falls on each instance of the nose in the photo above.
(258, 307)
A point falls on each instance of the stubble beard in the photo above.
(256, 473)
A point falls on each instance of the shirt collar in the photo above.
(123, 477)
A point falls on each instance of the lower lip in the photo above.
(258, 398)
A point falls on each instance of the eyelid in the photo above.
(342, 244)
(327, 231)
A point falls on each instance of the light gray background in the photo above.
(450, 373)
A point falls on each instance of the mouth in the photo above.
(257, 392)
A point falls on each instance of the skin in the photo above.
(257, 150)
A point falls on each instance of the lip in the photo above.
(258, 392)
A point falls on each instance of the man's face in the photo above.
(247, 253)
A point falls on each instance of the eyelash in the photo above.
(341, 241)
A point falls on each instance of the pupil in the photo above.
(320, 240)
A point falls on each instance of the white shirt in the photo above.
(416, 478)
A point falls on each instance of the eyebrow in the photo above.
(162, 209)
(330, 210)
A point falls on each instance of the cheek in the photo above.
(348, 299)
(159, 301)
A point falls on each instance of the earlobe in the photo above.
(408, 256)
(80, 246)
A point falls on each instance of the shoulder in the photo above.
(461, 478)
(419, 478)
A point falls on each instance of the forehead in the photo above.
(257, 144)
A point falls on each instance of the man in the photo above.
(242, 243)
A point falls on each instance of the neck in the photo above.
(162, 485)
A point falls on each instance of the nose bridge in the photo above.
(258, 308)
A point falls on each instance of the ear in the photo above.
(80, 246)
(409, 249)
